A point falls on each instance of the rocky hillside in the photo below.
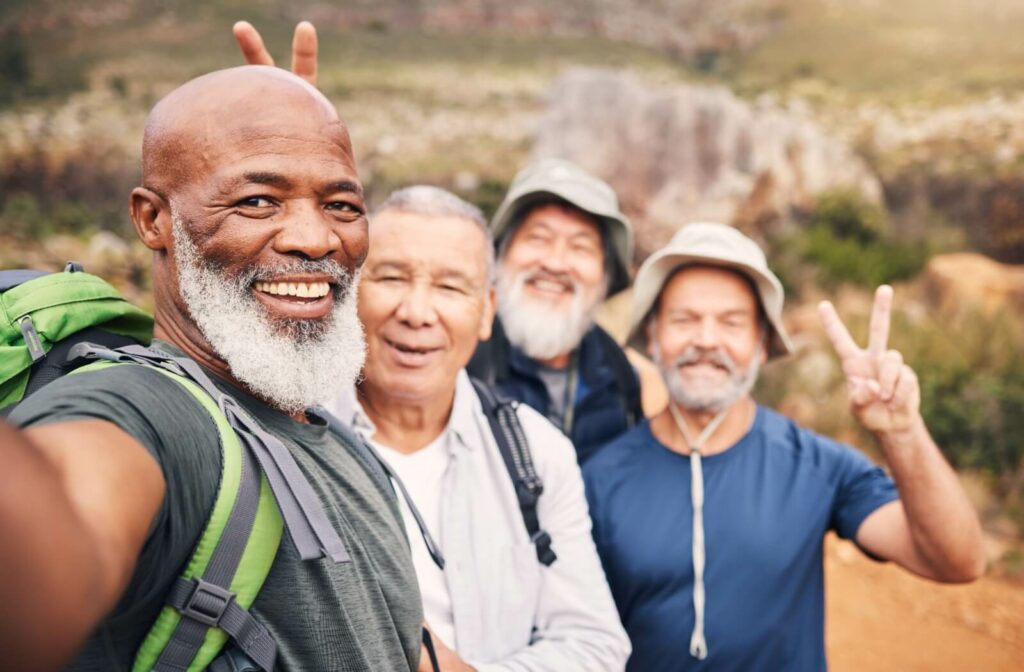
(694, 153)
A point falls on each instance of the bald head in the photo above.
(224, 106)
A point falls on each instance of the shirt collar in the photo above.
(462, 422)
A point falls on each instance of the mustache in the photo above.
(694, 355)
(563, 279)
(339, 276)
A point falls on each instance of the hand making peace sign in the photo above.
(884, 393)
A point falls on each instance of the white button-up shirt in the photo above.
(512, 614)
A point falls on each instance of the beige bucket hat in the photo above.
(567, 181)
(713, 245)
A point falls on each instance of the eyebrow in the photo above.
(281, 182)
(346, 186)
(272, 179)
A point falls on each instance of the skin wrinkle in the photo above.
(216, 127)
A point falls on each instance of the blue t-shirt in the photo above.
(769, 500)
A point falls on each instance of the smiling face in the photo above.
(552, 272)
(257, 217)
(706, 337)
(268, 196)
(425, 302)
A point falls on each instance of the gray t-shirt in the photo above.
(361, 615)
(556, 382)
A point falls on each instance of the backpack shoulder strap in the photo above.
(626, 378)
(383, 473)
(515, 452)
(208, 603)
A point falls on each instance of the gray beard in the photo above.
(737, 386)
(290, 364)
(541, 330)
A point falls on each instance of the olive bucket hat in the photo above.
(713, 245)
(547, 178)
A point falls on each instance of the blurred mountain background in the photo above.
(860, 141)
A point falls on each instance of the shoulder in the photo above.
(103, 393)
(150, 406)
(782, 435)
(613, 461)
(548, 446)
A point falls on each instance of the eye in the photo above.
(449, 287)
(258, 202)
(345, 207)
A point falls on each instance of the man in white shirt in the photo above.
(426, 298)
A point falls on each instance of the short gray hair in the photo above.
(431, 201)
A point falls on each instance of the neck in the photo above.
(191, 341)
(558, 361)
(737, 422)
(402, 424)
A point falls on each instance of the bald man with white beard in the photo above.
(253, 210)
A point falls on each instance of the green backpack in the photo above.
(40, 310)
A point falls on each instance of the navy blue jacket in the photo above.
(607, 398)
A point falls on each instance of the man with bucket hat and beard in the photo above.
(710, 518)
(563, 247)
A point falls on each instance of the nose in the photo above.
(307, 232)
(416, 309)
(557, 258)
(706, 335)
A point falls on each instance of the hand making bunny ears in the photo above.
(304, 48)
(884, 393)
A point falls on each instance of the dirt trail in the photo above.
(881, 619)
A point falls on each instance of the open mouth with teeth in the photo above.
(295, 300)
(299, 290)
(705, 367)
(551, 287)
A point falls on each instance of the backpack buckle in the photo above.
(207, 603)
(542, 541)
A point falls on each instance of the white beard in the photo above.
(705, 398)
(291, 364)
(536, 327)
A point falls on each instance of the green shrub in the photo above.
(849, 216)
(971, 368)
(846, 241)
(22, 216)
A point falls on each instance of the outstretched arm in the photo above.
(76, 502)
(933, 530)
(304, 48)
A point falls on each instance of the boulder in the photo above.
(965, 280)
(687, 153)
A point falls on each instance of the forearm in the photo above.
(943, 525)
(51, 579)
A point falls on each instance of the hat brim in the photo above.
(655, 273)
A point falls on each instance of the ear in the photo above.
(650, 326)
(151, 215)
(487, 319)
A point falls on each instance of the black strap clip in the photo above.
(207, 603)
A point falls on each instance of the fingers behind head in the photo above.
(304, 52)
(251, 43)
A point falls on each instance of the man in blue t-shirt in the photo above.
(710, 517)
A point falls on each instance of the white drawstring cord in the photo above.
(698, 643)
